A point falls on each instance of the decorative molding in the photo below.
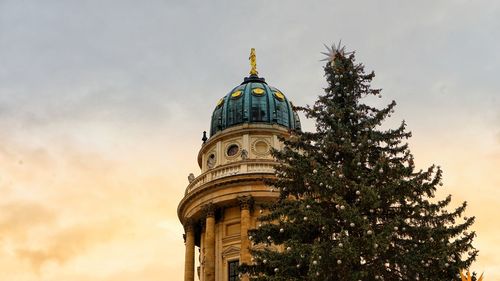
(257, 150)
(231, 251)
(189, 225)
(246, 202)
(208, 210)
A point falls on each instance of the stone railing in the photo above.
(230, 170)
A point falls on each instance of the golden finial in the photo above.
(253, 62)
(468, 277)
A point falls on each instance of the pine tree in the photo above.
(351, 204)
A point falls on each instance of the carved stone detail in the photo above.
(208, 210)
(246, 202)
(189, 225)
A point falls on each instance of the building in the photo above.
(223, 202)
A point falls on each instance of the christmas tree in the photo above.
(351, 204)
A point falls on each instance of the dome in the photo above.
(253, 101)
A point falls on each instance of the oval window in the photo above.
(236, 94)
(232, 150)
(211, 161)
(279, 96)
(258, 91)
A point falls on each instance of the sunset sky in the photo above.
(103, 105)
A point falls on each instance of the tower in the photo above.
(224, 201)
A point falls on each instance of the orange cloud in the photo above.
(17, 218)
(70, 242)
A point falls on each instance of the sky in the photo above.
(103, 105)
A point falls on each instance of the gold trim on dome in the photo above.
(220, 102)
(279, 95)
(258, 91)
(236, 94)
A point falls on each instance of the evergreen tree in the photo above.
(351, 204)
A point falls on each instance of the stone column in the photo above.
(189, 255)
(245, 206)
(209, 243)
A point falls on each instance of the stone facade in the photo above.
(223, 202)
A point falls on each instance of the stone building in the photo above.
(224, 201)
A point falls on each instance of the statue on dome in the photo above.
(253, 62)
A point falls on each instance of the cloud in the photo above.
(70, 243)
(18, 218)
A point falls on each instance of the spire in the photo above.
(253, 62)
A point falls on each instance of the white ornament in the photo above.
(305, 218)
(339, 261)
(282, 230)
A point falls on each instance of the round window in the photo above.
(232, 150)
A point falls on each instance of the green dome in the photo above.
(253, 102)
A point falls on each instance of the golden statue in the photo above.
(253, 62)
(468, 277)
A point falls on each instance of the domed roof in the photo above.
(253, 101)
